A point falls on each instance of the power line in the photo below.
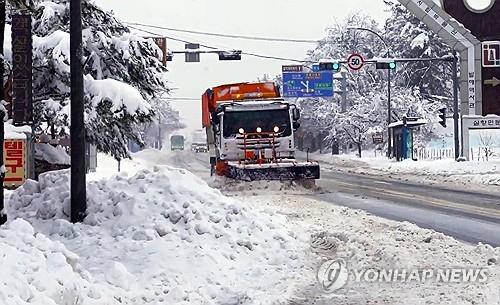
(214, 48)
(275, 39)
(170, 37)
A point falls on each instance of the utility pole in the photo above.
(456, 115)
(78, 179)
(3, 216)
(389, 110)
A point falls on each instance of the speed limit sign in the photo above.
(355, 61)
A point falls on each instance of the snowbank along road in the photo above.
(466, 215)
(160, 234)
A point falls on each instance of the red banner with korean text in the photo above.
(14, 155)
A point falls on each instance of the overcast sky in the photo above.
(297, 19)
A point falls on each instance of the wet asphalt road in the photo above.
(469, 216)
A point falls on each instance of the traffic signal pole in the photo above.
(78, 179)
(389, 110)
(456, 115)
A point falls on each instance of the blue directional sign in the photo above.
(315, 68)
(315, 84)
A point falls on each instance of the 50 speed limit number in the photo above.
(355, 62)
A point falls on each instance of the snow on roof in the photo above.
(120, 94)
(51, 154)
(16, 132)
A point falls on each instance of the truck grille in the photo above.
(255, 142)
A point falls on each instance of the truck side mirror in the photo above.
(296, 114)
(215, 118)
(296, 125)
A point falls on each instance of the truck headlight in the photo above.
(241, 130)
(259, 130)
(276, 129)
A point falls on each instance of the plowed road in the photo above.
(469, 216)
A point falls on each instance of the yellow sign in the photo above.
(14, 156)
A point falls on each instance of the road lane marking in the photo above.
(480, 211)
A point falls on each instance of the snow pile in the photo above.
(441, 171)
(51, 154)
(367, 242)
(16, 132)
(231, 187)
(37, 270)
(487, 173)
(165, 236)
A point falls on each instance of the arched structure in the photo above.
(477, 39)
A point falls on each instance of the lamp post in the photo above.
(389, 139)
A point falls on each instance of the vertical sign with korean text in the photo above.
(491, 77)
(22, 62)
(14, 154)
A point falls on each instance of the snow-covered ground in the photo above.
(161, 235)
(471, 174)
(367, 242)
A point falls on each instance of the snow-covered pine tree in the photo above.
(408, 37)
(114, 109)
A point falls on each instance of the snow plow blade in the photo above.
(274, 171)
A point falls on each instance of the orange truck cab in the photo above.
(250, 133)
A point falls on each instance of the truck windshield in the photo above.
(250, 120)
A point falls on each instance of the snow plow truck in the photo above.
(250, 133)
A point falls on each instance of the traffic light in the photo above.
(442, 117)
(230, 55)
(386, 65)
(329, 66)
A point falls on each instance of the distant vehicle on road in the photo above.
(199, 147)
(177, 142)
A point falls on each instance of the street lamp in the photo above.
(389, 145)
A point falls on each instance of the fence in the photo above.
(434, 153)
(476, 153)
